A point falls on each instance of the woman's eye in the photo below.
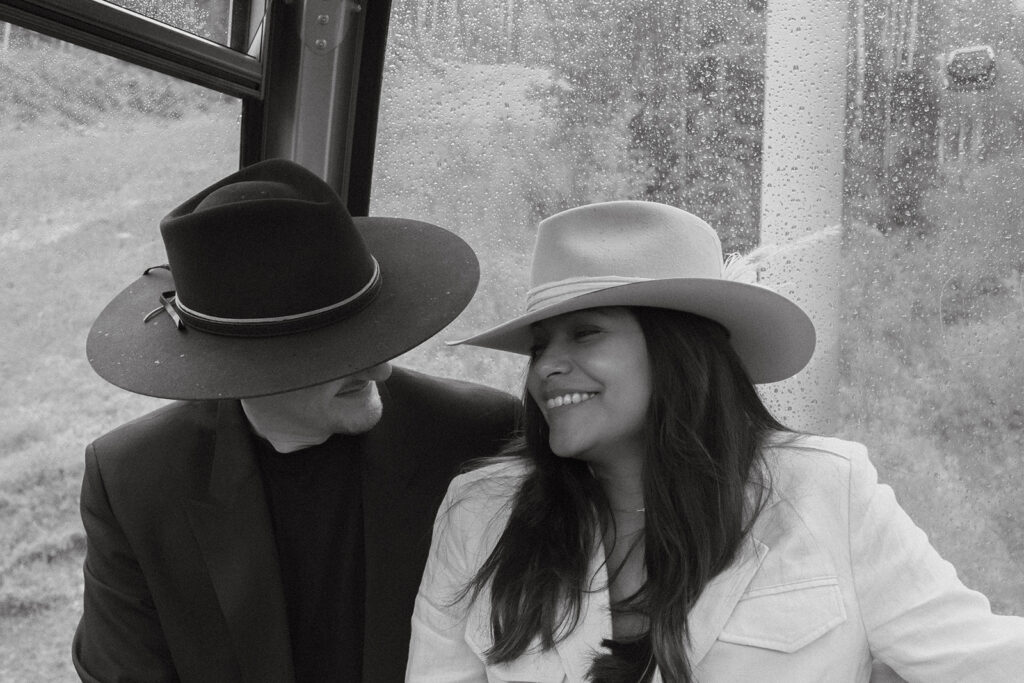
(536, 349)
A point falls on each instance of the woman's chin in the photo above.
(567, 450)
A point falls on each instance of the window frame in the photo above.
(121, 33)
(278, 119)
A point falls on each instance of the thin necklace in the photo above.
(635, 510)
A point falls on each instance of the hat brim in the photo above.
(772, 335)
(428, 276)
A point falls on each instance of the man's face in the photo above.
(350, 405)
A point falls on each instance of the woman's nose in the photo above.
(551, 361)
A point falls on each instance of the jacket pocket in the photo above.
(788, 617)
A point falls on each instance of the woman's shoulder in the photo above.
(498, 470)
(798, 462)
(812, 450)
(814, 484)
(483, 491)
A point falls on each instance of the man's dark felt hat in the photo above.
(272, 286)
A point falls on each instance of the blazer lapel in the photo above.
(388, 468)
(233, 528)
(716, 603)
(595, 625)
(391, 518)
(707, 618)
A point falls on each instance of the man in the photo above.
(273, 524)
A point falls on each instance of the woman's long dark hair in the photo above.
(704, 429)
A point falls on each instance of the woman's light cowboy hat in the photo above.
(633, 253)
(272, 286)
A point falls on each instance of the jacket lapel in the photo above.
(707, 618)
(391, 518)
(233, 528)
(717, 602)
(578, 649)
(388, 468)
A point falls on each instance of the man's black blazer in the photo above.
(181, 576)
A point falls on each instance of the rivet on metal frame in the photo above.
(324, 23)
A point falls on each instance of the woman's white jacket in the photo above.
(834, 576)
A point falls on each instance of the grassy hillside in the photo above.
(932, 382)
(88, 165)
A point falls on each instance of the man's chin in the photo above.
(357, 417)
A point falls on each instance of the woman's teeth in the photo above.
(569, 399)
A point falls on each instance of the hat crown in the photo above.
(625, 239)
(612, 243)
(264, 248)
(247, 191)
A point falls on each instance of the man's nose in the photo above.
(378, 373)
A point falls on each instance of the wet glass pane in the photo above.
(95, 151)
(933, 309)
(504, 113)
(210, 19)
(495, 115)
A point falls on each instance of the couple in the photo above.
(651, 521)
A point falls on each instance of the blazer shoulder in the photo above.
(801, 463)
(173, 421)
(505, 472)
(478, 502)
(823, 446)
(152, 458)
(483, 491)
(156, 447)
(813, 451)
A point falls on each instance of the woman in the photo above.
(656, 522)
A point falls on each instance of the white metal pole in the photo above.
(802, 186)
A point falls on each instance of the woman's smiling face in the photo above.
(591, 378)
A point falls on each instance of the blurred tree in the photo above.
(689, 77)
(893, 134)
(905, 124)
(911, 164)
(652, 99)
(474, 30)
